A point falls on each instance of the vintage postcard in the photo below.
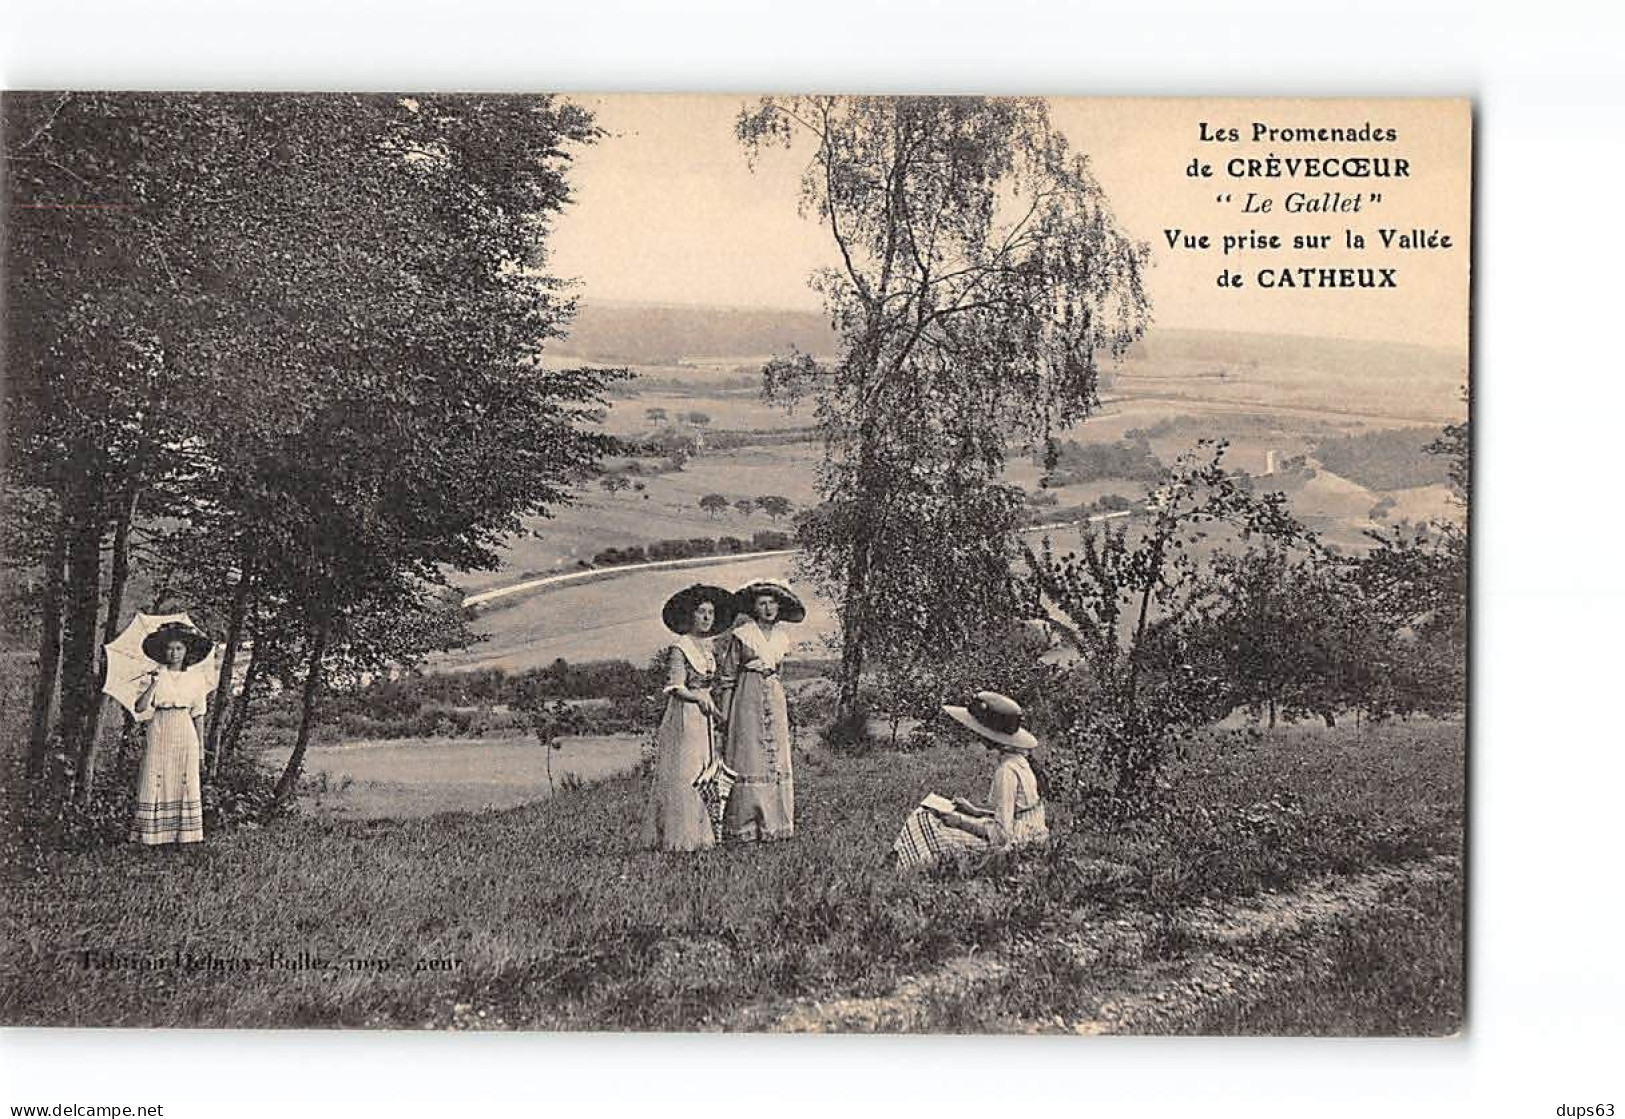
(797, 563)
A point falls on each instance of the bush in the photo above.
(242, 793)
(770, 541)
(1130, 458)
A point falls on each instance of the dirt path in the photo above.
(1138, 991)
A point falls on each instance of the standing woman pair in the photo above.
(725, 703)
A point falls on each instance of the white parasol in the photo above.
(127, 665)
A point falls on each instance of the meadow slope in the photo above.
(548, 916)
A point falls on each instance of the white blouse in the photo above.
(188, 690)
(1017, 807)
(769, 650)
(689, 664)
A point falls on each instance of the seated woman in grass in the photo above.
(679, 817)
(1014, 815)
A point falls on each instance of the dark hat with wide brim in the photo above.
(996, 718)
(156, 644)
(678, 613)
(791, 608)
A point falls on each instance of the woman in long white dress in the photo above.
(678, 818)
(762, 805)
(169, 782)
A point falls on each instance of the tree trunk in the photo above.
(296, 761)
(125, 736)
(50, 649)
(233, 732)
(80, 687)
(852, 634)
(1140, 624)
(118, 579)
(228, 664)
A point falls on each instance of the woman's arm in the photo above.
(677, 682)
(144, 700)
(200, 707)
(729, 657)
(986, 829)
(1003, 796)
(993, 826)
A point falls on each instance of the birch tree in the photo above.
(982, 281)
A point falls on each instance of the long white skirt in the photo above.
(169, 784)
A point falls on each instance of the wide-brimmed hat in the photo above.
(996, 718)
(790, 606)
(678, 613)
(156, 644)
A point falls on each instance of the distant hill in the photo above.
(1332, 357)
(1281, 369)
(666, 334)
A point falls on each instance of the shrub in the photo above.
(770, 541)
(242, 793)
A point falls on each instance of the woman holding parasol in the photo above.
(169, 786)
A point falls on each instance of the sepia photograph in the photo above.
(786, 563)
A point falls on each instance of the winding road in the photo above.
(613, 612)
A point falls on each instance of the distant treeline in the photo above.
(1130, 458)
(1050, 512)
(764, 541)
(702, 382)
(671, 441)
(610, 697)
(1385, 460)
(492, 701)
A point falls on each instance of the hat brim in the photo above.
(791, 608)
(1021, 740)
(156, 644)
(678, 613)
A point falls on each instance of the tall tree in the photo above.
(284, 348)
(981, 276)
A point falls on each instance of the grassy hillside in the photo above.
(548, 916)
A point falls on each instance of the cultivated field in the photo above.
(1262, 393)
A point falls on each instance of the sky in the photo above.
(667, 210)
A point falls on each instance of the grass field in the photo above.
(669, 508)
(547, 916)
